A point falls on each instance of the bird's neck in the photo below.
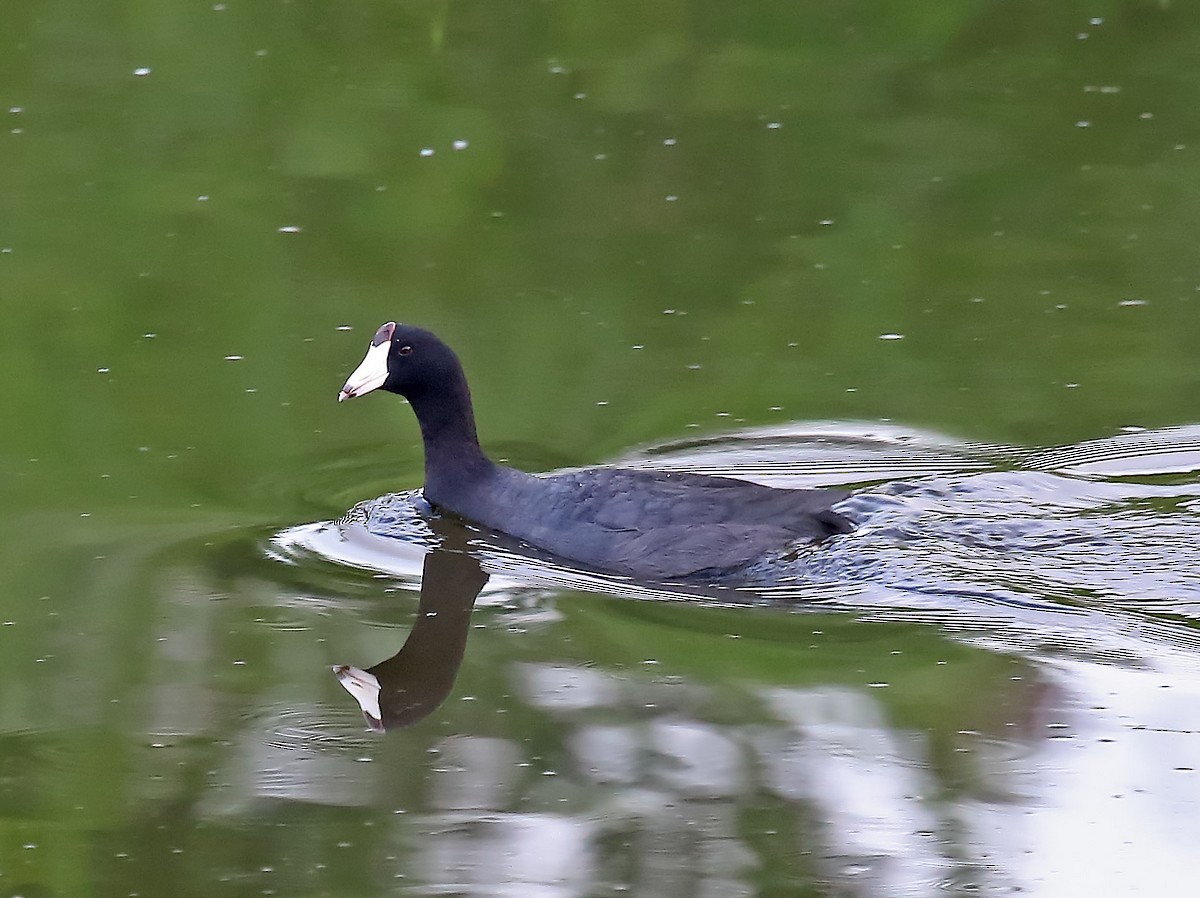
(453, 457)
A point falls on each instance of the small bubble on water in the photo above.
(427, 151)
(891, 336)
(102, 370)
(234, 358)
(1083, 124)
(773, 126)
(669, 142)
(460, 144)
(290, 229)
(671, 197)
(1132, 302)
(142, 71)
(16, 110)
(1096, 20)
(345, 327)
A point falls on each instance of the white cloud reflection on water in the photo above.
(1085, 784)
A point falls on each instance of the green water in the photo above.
(638, 225)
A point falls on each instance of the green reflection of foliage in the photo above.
(976, 177)
(940, 147)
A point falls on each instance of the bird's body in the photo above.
(658, 524)
(644, 522)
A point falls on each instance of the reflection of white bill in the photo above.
(365, 689)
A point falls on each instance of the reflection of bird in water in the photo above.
(416, 680)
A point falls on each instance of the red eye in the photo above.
(405, 350)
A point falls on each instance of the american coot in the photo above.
(655, 524)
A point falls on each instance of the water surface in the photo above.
(681, 235)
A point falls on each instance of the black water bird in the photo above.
(641, 523)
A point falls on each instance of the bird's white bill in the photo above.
(365, 689)
(372, 371)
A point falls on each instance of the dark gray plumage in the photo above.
(644, 523)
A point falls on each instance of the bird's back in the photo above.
(651, 523)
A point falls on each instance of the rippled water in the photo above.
(1080, 564)
(1111, 525)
